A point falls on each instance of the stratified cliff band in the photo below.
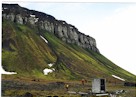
(66, 32)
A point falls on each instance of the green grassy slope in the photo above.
(86, 63)
(25, 52)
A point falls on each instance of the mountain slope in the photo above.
(21, 50)
(25, 52)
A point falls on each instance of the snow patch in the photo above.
(5, 8)
(53, 69)
(32, 15)
(51, 64)
(44, 39)
(6, 72)
(46, 71)
(63, 22)
(118, 77)
(71, 27)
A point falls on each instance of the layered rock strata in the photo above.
(66, 32)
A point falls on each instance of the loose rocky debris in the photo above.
(117, 93)
(88, 94)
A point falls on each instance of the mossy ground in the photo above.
(24, 52)
(48, 87)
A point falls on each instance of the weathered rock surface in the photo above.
(66, 32)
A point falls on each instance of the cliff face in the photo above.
(66, 32)
(31, 41)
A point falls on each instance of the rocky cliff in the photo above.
(64, 31)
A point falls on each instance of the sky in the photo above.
(112, 24)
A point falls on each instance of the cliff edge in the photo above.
(64, 31)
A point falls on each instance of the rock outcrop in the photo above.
(66, 32)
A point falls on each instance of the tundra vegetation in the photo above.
(29, 47)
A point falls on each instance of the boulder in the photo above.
(65, 31)
(11, 17)
(4, 16)
(31, 20)
(19, 19)
(41, 25)
(81, 39)
(52, 27)
(73, 35)
(60, 34)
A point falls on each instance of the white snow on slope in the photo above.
(5, 8)
(118, 77)
(51, 64)
(32, 15)
(44, 39)
(5, 72)
(46, 71)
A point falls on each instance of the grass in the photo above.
(56, 90)
(32, 54)
(77, 58)
(27, 54)
(114, 69)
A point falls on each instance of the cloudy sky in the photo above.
(111, 24)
